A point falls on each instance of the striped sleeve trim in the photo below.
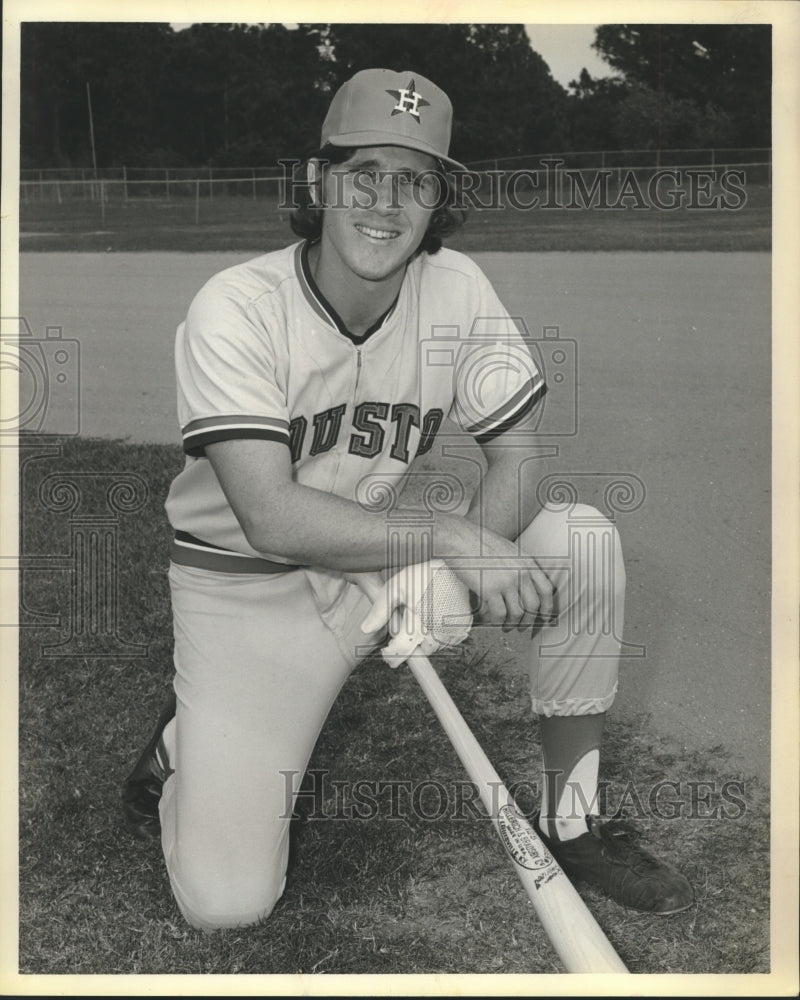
(511, 413)
(199, 433)
(190, 551)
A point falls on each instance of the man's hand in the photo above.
(425, 605)
(512, 590)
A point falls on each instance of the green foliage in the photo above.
(251, 94)
(722, 67)
(646, 119)
(121, 63)
(163, 97)
(243, 90)
(593, 106)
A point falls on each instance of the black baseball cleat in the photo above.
(141, 791)
(608, 856)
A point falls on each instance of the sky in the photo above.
(564, 47)
(566, 50)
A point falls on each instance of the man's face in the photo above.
(378, 205)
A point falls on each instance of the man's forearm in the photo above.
(505, 501)
(310, 527)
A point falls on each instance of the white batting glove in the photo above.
(433, 611)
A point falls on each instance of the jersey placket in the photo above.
(342, 448)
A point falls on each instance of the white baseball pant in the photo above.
(257, 671)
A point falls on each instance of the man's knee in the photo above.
(598, 543)
(580, 536)
(214, 896)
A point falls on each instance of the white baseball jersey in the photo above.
(261, 354)
(261, 653)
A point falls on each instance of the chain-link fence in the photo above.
(191, 197)
(601, 159)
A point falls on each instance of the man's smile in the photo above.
(376, 234)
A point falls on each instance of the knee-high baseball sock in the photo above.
(571, 759)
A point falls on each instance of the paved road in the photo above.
(673, 377)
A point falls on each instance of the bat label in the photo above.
(521, 843)
(545, 877)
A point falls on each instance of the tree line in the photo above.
(251, 94)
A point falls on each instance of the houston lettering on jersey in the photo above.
(371, 424)
(372, 421)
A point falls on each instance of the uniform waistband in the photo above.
(186, 550)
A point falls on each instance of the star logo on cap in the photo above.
(408, 100)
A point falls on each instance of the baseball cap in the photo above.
(380, 107)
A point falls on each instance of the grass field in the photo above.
(420, 892)
(240, 223)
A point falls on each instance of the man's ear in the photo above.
(314, 181)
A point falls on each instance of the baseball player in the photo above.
(305, 377)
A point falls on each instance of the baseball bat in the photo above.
(574, 933)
